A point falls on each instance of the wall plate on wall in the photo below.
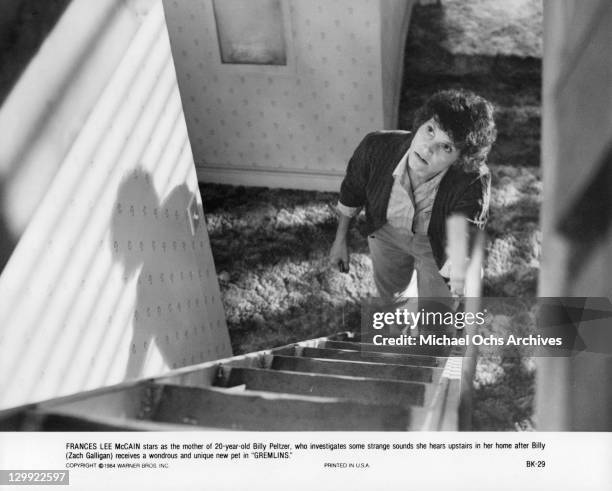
(193, 214)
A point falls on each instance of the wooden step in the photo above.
(410, 350)
(360, 389)
(355, 355)
(386, 371)
(251, 410)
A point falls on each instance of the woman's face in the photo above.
(431, 151)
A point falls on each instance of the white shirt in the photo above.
(410, 209)
(406, 210)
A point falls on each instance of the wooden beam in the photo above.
(361, 389)
(273, 412)
(65, 421)
(356, 369)
(353, 355)
(131, 400)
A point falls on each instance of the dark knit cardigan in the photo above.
(369, 179)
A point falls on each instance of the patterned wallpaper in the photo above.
(110, 280)
(292, 126)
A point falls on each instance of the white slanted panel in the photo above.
(111, 279)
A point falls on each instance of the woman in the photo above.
(410, 184)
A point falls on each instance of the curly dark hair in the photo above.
(468, 120)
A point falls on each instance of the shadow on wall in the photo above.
(24, 25)
(150, 243)
(7, 242)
